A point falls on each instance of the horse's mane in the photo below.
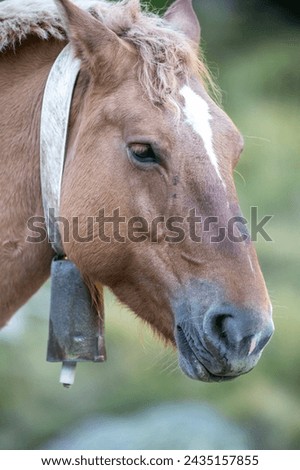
(166, 55)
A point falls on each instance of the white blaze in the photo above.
(198, 116)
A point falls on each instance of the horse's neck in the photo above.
(24, 266)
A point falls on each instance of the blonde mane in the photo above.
(166, 55)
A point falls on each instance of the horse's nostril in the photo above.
(218, 326)
(262, 343)
(236, 333)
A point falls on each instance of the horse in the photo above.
(147, 183)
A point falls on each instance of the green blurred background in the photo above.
(253, 50)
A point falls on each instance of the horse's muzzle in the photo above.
(223, 343)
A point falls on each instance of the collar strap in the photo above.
(56, 108)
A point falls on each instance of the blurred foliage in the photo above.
(257, 52)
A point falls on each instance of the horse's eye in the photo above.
(143, 153)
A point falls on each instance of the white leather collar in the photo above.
(56, 108)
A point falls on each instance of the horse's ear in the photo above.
(93, 42)
(134, 6)
(182, 15)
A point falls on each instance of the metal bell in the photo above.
(76, 331)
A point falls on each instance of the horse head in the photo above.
(149, 181)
